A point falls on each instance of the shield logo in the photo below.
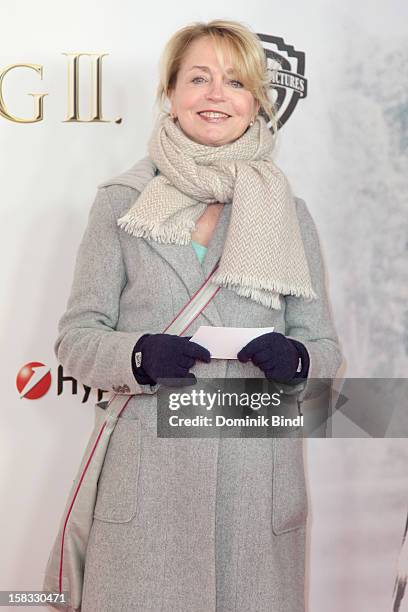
(287, 69)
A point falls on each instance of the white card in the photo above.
(226, 342)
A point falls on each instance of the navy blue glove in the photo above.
(157, 356)
(277, 356)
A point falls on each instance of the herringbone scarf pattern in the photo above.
(263, 254)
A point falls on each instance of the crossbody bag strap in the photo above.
(180, 323)
(195, 306)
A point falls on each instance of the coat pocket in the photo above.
(289, 495)
(116, 500)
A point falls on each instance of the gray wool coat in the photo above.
(185, 525)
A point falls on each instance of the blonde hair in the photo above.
(247, 54)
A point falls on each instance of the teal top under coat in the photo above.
(200, 250)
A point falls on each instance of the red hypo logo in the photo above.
(33, 380)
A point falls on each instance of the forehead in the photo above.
(201, 52)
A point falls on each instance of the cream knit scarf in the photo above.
(263, 254)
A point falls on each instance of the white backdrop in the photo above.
(345, 151)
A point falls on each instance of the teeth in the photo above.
(210, 114)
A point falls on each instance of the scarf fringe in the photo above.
(270, 300)
(248, 286)
(160, 233)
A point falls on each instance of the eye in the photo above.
(239, 83)
(195, 79)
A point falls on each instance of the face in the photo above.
(201, 86)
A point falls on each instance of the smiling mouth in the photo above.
(212, 117)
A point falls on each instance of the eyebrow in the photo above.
(206, 69)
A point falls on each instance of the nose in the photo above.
(216, 90)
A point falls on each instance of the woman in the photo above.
(199, 525)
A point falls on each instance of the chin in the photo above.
(205, 139)
(216, 138)
(216, 142)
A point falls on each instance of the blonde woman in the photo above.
(199, 525)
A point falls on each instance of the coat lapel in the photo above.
(184, 261)
(182, 258)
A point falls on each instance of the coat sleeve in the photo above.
(88, 345)
(311, 322)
